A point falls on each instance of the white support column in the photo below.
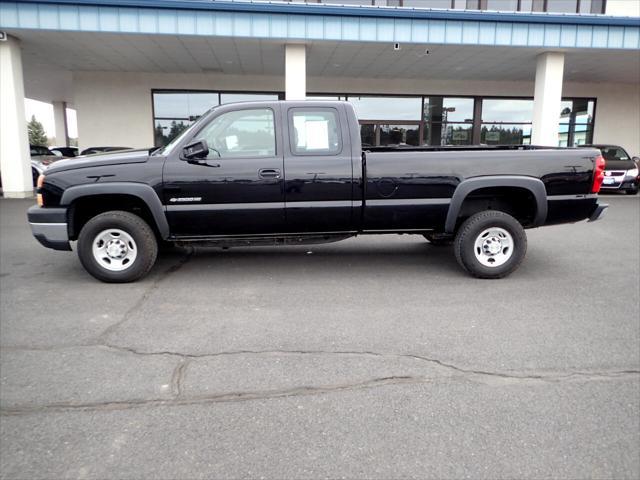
(60, 123)
(547, 98)
(14, 143)
(295, 72)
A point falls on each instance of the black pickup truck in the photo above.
(285, 172)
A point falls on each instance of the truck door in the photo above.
(318, 170)
(238, 189)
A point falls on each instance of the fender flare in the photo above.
(534, 185)
(144, 192)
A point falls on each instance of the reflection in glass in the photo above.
(183, 105)
(427, 3)
(368, 135)
(562, 6)
(326, 97)
(167, 130)
(246, 97)
(437, 134)
(592, 6)
(399, 135)
(501, 134)
(448, 109)
(507, 110)
(504, 5)
(570, 135)
(456, 134)
(387, 108)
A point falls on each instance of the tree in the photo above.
(37, 135)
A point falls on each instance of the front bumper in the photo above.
(599, 212)
(627, 183)
(49, 227)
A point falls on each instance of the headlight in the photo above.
(632, 173)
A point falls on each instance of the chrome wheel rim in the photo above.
(493, 247)
(114, 250)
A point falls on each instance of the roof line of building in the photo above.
(356, 11)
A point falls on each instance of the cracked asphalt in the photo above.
(376, 357)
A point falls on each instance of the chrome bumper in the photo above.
(49, 227)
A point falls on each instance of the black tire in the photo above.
(438, 239)
(146, 246)
(470, 231)
(632, 191)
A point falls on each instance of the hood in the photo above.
(619, 165)
(97, 160)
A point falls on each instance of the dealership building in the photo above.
(419, 72)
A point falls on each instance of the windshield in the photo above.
(614, 153)
(169, 147)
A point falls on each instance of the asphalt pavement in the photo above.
(376, 357)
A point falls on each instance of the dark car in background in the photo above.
(41, 158)
(621, 170)
(92, 150)
(67, 152)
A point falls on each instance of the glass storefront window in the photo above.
(592, 6)
(368, 135)
(532, 5)
(507, 110)
(456, 134)
(183, 104)
(503, 134)
(503, 5)
(246, 97)
(448, 134)
(400, 135)
(166, 130)
(326, 97)
(392, 120)
(562, 6)
(175, 111)
(576, 119)
(448, 109)
(427, 3)
(387, 108)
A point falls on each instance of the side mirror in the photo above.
(198, 149)
(636, 159)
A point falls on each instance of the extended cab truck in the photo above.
(294, 172)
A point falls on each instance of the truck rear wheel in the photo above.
(490, 244)
(117, 247)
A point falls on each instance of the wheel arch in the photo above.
(144, 193)
(471, 185)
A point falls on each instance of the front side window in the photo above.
(315, 131)
(242, 133)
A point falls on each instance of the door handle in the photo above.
(269, 173)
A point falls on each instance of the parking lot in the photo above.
(376, 357)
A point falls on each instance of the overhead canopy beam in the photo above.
(323, 22)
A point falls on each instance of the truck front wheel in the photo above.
(117, 247)
(490, 244)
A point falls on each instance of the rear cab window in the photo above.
(314, 131)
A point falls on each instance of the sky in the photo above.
(44, 114)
